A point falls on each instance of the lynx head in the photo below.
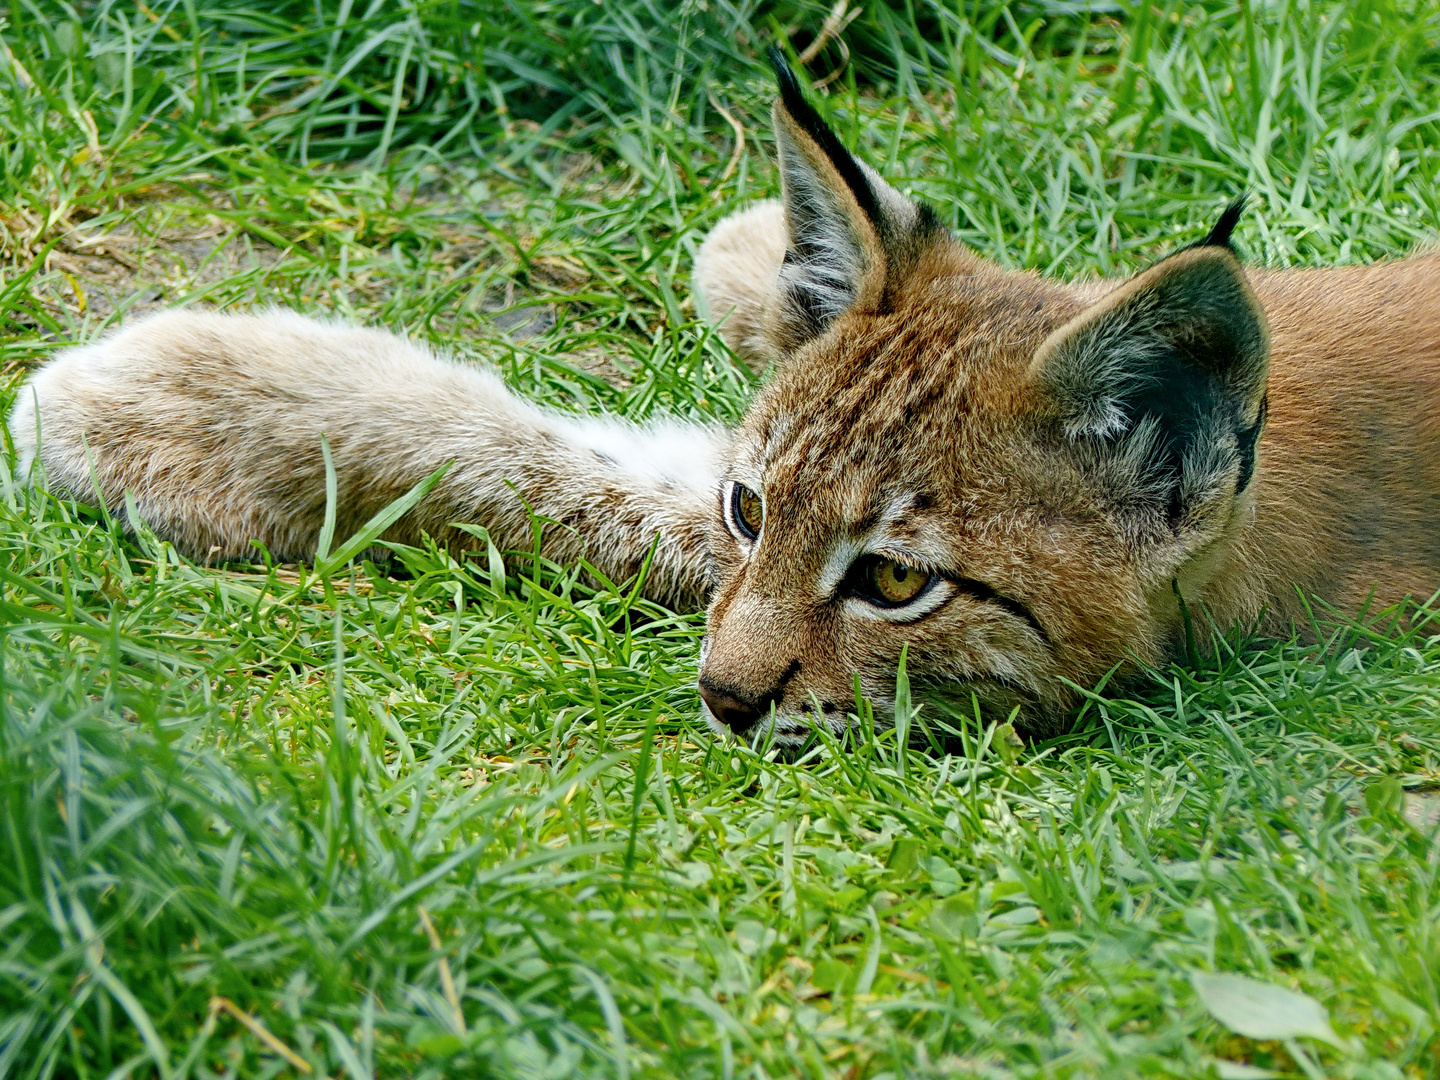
(1011, 479)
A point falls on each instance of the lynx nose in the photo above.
(731, 710)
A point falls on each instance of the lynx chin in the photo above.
(1016, 479)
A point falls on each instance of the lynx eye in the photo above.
(887, 583)
(747, 511)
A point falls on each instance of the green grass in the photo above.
(249, 785)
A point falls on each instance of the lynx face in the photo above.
(973, 466)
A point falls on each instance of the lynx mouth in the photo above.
(999, 700)
(785, 731)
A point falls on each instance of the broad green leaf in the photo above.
(1261, 1010)
(1238, 1070)
(830, 974)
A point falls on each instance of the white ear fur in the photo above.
(832, 246)
(736, 273)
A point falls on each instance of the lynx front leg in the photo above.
(213, 423)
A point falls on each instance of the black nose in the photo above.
(730, 709)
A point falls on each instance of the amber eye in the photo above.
(747, 511)
(887, 582)
(897, 582)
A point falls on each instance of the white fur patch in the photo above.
(686, 457)
(843, 553)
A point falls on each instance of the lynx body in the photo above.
(1017, 480)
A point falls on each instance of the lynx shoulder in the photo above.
(1019, 482)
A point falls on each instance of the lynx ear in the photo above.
(850, 235)
(1162, 383)
(774, 276)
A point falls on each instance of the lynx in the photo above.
(1022, 483)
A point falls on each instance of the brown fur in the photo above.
(1062, 459)
(933, 383)
(1344, 504)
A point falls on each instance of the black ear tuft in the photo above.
(1219, 236)
(790, 90)
(804, 114)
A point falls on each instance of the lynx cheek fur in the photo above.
(1013, 479)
